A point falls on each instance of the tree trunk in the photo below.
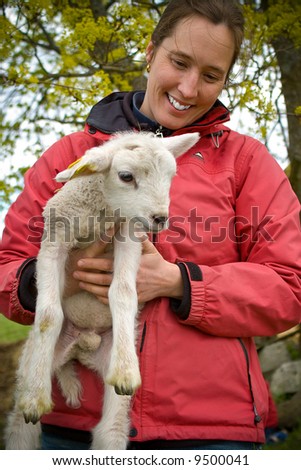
(289, 60)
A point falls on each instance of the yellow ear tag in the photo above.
(74, 163)
(85, 169)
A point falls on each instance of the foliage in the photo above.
(260, 88)
(11, 332)
(59, 57)
(10, 184)
(293, 348)
(284, 20)
(258, 70)
(293, 441)
(65, 56)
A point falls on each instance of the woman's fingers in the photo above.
(99, 247)
(88, 277)
(101, 292)
(95, 276)
(104, 263)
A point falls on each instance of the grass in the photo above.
(11, 332)
(293, 441)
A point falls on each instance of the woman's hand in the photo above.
(90, 269)
(157, 277)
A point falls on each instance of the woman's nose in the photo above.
(189, 85)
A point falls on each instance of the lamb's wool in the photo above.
(125, 182)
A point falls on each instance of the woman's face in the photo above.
(188, 72)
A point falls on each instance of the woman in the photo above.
(227, 269)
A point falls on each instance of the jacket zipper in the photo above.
(159, 132)
(142, 337)
(257, 418)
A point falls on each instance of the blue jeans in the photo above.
(195, 445)
(53, 442)
(228, 445)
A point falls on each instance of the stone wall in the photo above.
(281, 365)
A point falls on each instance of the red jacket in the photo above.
(235, 233)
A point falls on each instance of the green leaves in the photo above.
(59, 57)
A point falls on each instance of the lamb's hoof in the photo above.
(31, 418)
(122, 390)
(124, 375)
(33, 410)
(125, 384)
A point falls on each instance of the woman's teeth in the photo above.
(177, 105)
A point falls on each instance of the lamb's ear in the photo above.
(179, 144)
(95, 160)
(77, 168)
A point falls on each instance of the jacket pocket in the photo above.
(257, 417)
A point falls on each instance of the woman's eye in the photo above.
(211, 78)
(126, 176)
(179, 64)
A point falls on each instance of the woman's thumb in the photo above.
(148, 247)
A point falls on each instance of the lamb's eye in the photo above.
(126, 176)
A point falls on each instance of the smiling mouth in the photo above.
(176, 104)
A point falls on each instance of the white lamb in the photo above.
(124, 182)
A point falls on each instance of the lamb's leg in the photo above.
(124, 372)
(69, 384)
(19, 435)
(72, 344)
(113, 429)
(63, 364)
(34, 394)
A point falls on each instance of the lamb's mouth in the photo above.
(147, 226)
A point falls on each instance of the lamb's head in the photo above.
(136, 172)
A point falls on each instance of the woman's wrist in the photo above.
(173, 282)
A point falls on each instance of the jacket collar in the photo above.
(115, 114)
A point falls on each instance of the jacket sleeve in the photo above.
(24, 228)
(260, 295)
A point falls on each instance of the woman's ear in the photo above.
(149, 53)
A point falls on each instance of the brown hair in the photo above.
(227, 12)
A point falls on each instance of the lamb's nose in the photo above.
(160, 219)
